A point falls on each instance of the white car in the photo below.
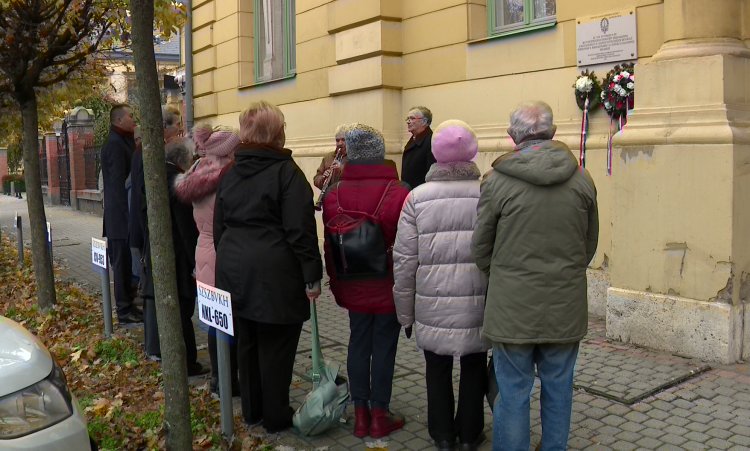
(37, 411)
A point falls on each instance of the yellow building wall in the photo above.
(371, 60)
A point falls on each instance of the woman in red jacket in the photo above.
(368, 188)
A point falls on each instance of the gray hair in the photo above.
(531, 119)
(180, 152)
(341, 130)
(170, 116)
(426, 113)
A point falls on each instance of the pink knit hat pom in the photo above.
(211, 141)
(454, 140)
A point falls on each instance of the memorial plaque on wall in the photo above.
(606, 38)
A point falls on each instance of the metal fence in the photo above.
(92, 165)
(43, 165)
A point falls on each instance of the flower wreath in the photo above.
(618, 90)
(587, 86)
(587, 91)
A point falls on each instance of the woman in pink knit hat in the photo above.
(215, 146)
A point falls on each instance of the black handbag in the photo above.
(356, 243)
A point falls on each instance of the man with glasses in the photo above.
(418, 156)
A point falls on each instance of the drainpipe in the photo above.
(189, 65)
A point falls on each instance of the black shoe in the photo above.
(130, 318)
(473, 446)
(196, 369)
(445, 445)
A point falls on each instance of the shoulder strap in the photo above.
(377, 208)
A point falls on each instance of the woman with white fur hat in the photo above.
(440, 291)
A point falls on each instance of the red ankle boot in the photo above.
(361, 421)
(383, 422)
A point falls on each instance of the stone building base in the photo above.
(710, 331)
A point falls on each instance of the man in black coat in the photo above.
(418, 156)
(115, 160)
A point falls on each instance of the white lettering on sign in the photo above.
(99, 253)
(215, 308)
(49, 232)
(606, 38)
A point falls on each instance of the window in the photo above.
(274, 39)
(511, 16)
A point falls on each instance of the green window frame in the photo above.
(526, 20)
(282, 61)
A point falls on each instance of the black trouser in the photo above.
(373, 341)
(187, 308)
(265, 355)
(469, 419)
(118, 253)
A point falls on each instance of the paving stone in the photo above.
(636, 416)
(596, 413)
(418, 443)
(698, 436)
(743, 440)
(618, 409)
(613, 420)
(719, 433)
(652, 432)
(631, 426)
(623, 445)
(673, 439)
(648, 443)
(741, 430)
(693, 446)
(698, 427)
(720, 424)
(677, 421)
(654, 423)
(628, 436)
(718, 443)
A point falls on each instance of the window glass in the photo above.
(510, 16)
(544, 8)
(274, 46)
(510, 12)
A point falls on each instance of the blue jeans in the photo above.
(514, 367)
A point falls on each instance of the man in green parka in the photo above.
(536, 232)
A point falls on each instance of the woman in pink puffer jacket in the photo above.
(198, 185)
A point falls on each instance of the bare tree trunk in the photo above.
(40, 257)
(174, 367)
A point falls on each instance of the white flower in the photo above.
(603, 95)
(606, 105)
(625, 74)
(620, 91)
(631, 85)
(584, 84)
(616, 78)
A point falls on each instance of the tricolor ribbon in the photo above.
(584, 133)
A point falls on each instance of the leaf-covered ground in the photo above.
(119, 390)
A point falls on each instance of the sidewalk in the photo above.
(626, 397)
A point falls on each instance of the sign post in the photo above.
(99, 258)
(215, 310)
(49, 243)
(18, 224)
